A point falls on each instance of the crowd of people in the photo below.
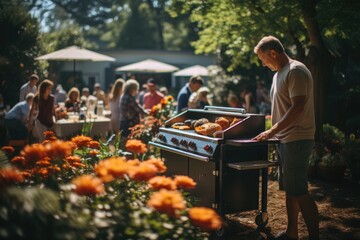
(39, 107)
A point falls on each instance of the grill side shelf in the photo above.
(250, 142)
(260, 164)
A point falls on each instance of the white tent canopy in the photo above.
(75, 53)
(149, 65)
(191, 71)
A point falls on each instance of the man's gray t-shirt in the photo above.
(293, 80)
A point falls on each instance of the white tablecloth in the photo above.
(67, 128)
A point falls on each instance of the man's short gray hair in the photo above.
(269, 43)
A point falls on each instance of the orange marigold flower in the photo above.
(162, 182)
(33, 153)
(26, 174)
(18, 160)
(94, 144)
(133, 162)
(54, 169)
(93, 153)
(8, 149)
(77, 164)
(136, 146)
(158, 163)
(71, 159)
(170, 98)
(163, 101)
(44, 172)
(44, 162)
(59, 149)
(81, 141)
(10, 175)
(184, 182)
(49, 135)
(153, 111)
(88, 185)
(118, 168)
(143, 172)
(45, 142)
(165, 201)
(205, 218)
(109, 169)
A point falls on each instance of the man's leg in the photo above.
(292, 210)
(310, 213)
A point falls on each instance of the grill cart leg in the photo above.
(262, 218)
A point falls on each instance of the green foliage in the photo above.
(352, 155)
(330, 153)
(334, 139)
(139, 28)
(332, 160)
(86, 128)
(40, 213)
(232, 28)
(19, 45)
(118, 24)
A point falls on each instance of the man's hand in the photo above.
(264, 135)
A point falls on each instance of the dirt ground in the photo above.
(339, 210)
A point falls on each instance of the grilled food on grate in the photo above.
(208, 129)
(200, 122)
(177, 125)
(223, 122)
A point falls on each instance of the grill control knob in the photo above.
(183, 142)
(174, 140)
(161, 137)
(208, 148)
(192, 145)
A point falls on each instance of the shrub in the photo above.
(352, 156)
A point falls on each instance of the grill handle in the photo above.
(226, 109)
(180, 152)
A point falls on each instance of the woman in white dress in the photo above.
(116, 92)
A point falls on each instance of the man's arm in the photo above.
(297, 106)
(22, 94)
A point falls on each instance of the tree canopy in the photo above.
(19, 45)
(127, 24)
(319, 33)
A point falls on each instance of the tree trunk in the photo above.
(318, 61)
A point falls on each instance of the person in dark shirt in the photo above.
(195, 82)
(16, 119)
(130, 109)
(44, 104)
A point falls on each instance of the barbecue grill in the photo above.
(226, 168)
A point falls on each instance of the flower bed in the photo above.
(85, 189)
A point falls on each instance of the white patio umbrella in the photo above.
(74, 54)
(188, 72)
(191, 71)
(149, 65)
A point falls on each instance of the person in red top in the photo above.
(153, 96)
